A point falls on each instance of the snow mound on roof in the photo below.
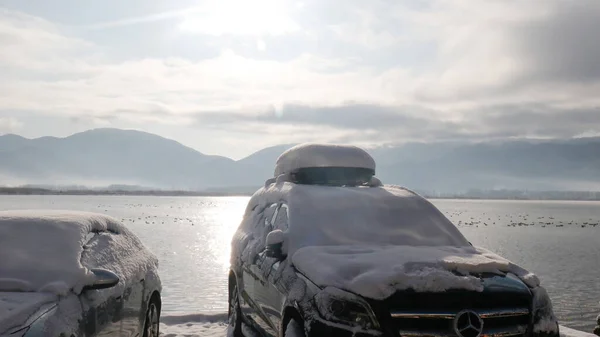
(378, 272)
(322, 155)
(44, 249)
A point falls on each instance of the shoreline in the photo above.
(24, 191)
(514, 196)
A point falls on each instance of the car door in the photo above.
(113, 311)
(269, 298)
(251, 271)
(133, 310)
(103, 308)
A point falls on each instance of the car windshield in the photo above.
(367, 216)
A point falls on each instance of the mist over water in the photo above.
(559, 241)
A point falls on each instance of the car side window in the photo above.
(281, 219)
(269, 216)
(98, 244)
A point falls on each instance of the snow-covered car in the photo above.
(325, 249)
(66, 273)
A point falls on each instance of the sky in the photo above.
(230, 77)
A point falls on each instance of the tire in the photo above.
(235, 313)
(295, 328)
(152, 321)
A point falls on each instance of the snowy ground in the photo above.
(194, 325)
(200, 325)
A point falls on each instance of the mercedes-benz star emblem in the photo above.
(468, 323)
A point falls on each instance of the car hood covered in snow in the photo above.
(378, 272)
(17, 307)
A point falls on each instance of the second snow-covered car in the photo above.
(324, 249)
(67, 274)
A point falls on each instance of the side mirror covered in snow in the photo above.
(274, 246)
(103, 279)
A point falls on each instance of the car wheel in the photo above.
(295, 329)
(235, 313)
(151, 325)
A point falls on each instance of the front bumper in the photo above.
(319, 327)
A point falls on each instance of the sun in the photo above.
(241, 17)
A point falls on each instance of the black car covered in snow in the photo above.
(324, 249)
(66, 273)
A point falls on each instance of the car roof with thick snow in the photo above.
(42, 249)
(351, 215)
(322, 155)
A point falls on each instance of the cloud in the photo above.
(562, 45)
(504, 51)
(370, 122)
(166, 15)
(232, 17)
(9, 125)
(369, 71)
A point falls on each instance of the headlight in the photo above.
(336, 305)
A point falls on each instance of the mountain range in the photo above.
(103, 157)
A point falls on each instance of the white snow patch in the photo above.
(16, 308)
(322, 155)
(378, 272)
(202, 325)
(568, 332)
(193, 318)
(546, 324)
(199, 329)
(544, 314)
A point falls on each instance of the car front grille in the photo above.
(504, 322)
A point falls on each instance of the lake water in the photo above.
(191, 236)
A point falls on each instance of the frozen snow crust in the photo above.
(378, 272)
(321, 155)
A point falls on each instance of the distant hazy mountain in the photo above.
(111, 156)
(105, 157)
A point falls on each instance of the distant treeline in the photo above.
(472, 194)
(517, 195)
(44, 191)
